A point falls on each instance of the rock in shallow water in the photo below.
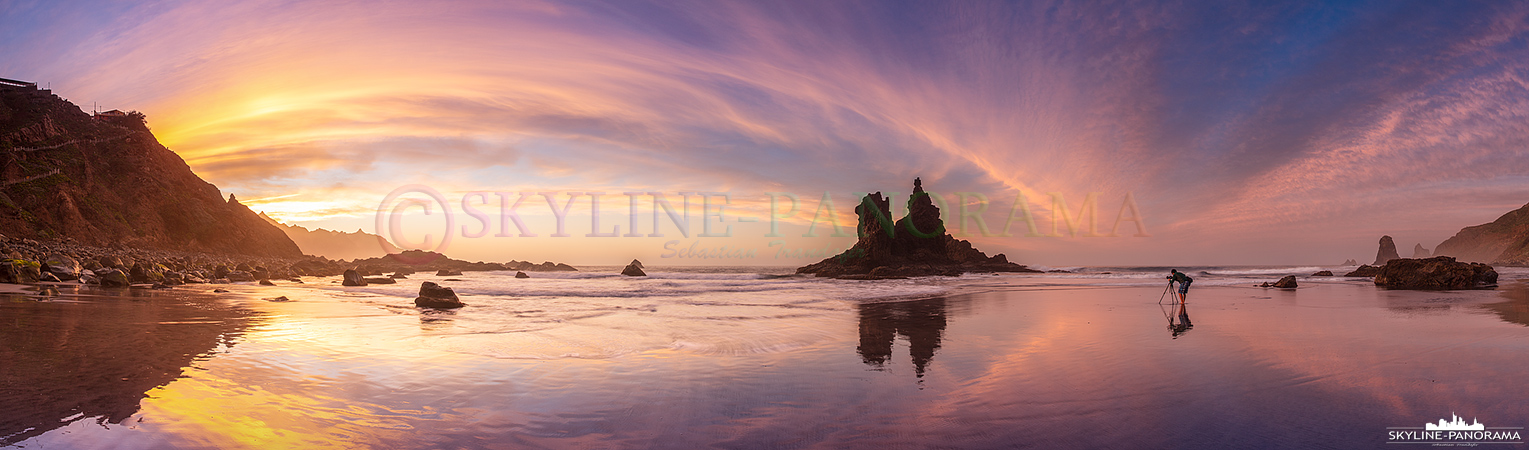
(432, 295)
(113, 278)
(1439, 272)
(353, 278)
(634, 269)
(521, 275)
(1364, 271)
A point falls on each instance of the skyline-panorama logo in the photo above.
(1454, 432)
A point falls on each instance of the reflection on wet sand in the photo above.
(65, 361)
(1182, 325)
(1516, 308)
(922, 322)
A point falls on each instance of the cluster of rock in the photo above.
(411, 261)
(1439, 272)
(916, 245)
(31, 261)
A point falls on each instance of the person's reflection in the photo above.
(922, 322)
(1183, 324)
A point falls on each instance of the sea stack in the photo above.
(916, 245)
(1387, 251)
(1419, 252)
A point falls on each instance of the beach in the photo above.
(759, 358)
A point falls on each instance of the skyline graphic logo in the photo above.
(1454, 432)
(1458, 424)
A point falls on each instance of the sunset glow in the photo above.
(1247, 135)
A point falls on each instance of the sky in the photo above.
(1240, 132)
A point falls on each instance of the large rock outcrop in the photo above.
(1387, 251)
(916, 245)
(106, 181)
(1491, 242)
(1439, 272)
(1419, 252)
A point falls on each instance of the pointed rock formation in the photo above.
(916, 245)
(634, 269)
(1350, 262)
(1419, 252)
(1387, 251)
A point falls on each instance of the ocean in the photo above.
(758, 357)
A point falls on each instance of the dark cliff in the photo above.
(106, 181)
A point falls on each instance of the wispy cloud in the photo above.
(1229, 122)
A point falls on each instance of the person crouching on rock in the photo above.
(1183, 281)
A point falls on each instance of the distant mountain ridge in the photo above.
(335, 244)
(1503, 241)
(106, 181)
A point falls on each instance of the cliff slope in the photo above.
(106, 181)
(1486, 243)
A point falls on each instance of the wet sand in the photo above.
(1017, 362)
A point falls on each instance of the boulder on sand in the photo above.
(380, 280)
(1439, 272)
(634, 269)
(1288, 282)
(432, 295)
(62, 266)
(353, 278)
(112, 278)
